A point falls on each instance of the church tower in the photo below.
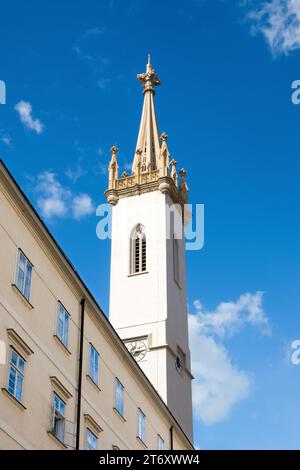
(148, 281)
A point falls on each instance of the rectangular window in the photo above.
(91, 440)
(24, 272)
(160, 443)
(62, 324)
(94, 365)
(141, 426)
(176, 260)
(16, 375)
(59, 419)
(119, 397)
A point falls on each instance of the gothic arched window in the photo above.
(138, 260)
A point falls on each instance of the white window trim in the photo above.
(143, 427)
(91, 373)
(18, 373)
(27, 263)
(64, 340)
(119, 385)
(159, 441)
(87, 432)
(56, 412)
(138, 233)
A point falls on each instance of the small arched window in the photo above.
(138, 251)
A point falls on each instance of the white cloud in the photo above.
(279, 22)
(219, 384)
(24, 110)
(82, 205)
(52, 196)
(230, 317)
(7, 140)
(55, 200)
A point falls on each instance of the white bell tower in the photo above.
(148, 281)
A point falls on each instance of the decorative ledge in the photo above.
(91, 423)
(61, 344)
(22, 296)
(19, 342)
(55, 438)
(14, 399)
(89, 378)
(142, 442)
(60, 389)
(138, 274)
(119, 414)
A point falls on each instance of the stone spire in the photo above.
(148, 137)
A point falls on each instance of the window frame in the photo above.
(25, 285)
(138, 250)
(141, 426)
(160, 442)
(19, 373)
(57, 412)
(93, 371)
(87, 434)
(119, 397)
(64, 337)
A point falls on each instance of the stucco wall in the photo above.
(28, 428)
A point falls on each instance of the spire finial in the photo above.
(149, 79)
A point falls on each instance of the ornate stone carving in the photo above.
(149, 79)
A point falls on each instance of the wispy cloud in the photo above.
(89, 48)
(84, 46)
(6, 139)
(24, 109)
(56, 201)
(103, 83)
(75, 172)
(279, 22)
(219, 383)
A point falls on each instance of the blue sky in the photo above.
(226, 70)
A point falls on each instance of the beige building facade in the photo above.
(40, 380)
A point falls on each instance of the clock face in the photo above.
(138, 349)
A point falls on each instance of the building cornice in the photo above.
(135, 185)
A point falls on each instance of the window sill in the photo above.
(22, 296)
(61, 344)
(14, 399)
(89, 378)
(141, 442)
(137, 274)
(119, 414)
(56, 439)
